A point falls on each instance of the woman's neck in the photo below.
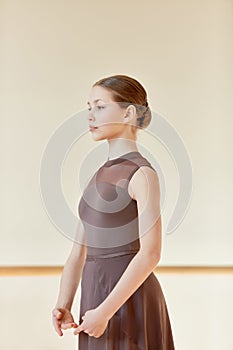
(120, 146)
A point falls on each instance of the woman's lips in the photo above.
(92, 128)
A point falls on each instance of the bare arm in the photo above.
(144, 187)
(72, 271)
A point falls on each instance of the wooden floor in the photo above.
(57, 270)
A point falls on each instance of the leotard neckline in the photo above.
(121, 158)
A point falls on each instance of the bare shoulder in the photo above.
(144, 180)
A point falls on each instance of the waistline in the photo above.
(111, 255)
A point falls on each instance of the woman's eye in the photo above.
(98, 107)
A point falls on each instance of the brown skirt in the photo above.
(141, 323)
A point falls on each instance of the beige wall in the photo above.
(181, 51)
(51, 54)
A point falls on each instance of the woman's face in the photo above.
(106, 115)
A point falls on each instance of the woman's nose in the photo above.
(90, 116)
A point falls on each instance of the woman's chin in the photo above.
(98, 134)
(97, 137)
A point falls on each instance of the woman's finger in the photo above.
(57, 313)
(67, 325)
(57, 326)
(78, 330)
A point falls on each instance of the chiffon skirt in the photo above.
(141, 323)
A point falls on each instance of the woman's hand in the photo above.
(94, 323)
(62, 319)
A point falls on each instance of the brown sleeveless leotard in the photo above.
(110, 220)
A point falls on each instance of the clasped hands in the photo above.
(94, 322)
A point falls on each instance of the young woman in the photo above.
(122, 304)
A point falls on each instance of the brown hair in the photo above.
(126, 91)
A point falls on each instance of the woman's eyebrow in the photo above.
(95, 101)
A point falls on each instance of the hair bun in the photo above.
(145, 117)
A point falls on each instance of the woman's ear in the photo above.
(130, 114)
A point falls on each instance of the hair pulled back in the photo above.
(126, 91)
